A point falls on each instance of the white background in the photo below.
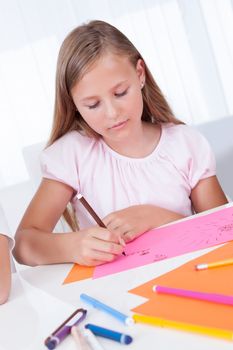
(187, 44)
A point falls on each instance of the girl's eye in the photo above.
(123, 93)
(93, 106)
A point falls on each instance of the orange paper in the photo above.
(78, 273)
(203, 313)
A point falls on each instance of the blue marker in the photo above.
(100, 306)
(108, 333)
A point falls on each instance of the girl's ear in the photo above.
(140, 69)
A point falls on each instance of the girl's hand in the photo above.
(131, 222)
(95, 246)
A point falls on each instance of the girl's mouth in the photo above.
(119, 125)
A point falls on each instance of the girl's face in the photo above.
(109, 98)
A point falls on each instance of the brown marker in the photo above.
(95, 216)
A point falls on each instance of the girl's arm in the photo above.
(35, 245)
(207, 194)
(131, 222)
(5, 269)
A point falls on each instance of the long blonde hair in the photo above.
(79, 51)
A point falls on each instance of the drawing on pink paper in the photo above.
(173, 240)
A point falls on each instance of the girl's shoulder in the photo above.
(63, 160)
(71, 143)
(188, 150)
(179, 129)
(184, 143)
(183, 135)
(72, 138)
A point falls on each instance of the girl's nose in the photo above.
(111, 110)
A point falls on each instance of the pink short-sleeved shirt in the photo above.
(110, 181)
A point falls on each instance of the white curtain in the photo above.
(187, 44)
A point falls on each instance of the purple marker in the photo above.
(65, 328)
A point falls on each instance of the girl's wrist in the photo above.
(150, 216)
(72, 246)
(77, 246)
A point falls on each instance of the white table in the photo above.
(39, 303)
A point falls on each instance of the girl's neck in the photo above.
(142, 144)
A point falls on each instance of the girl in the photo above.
(116, 141)
(6, 244)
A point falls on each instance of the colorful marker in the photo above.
(96, 217)
(211, 297)
(64, 329)
(101, 306)
(110, 334)
(79, 339)
(92, 340)
(156, 321)
(85, 340)
(220, 263)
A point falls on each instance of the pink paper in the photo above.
(166, 242)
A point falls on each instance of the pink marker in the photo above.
(212, 297)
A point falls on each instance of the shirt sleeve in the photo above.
(58, 162)
(201, 163)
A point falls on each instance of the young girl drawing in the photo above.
(116, 141)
